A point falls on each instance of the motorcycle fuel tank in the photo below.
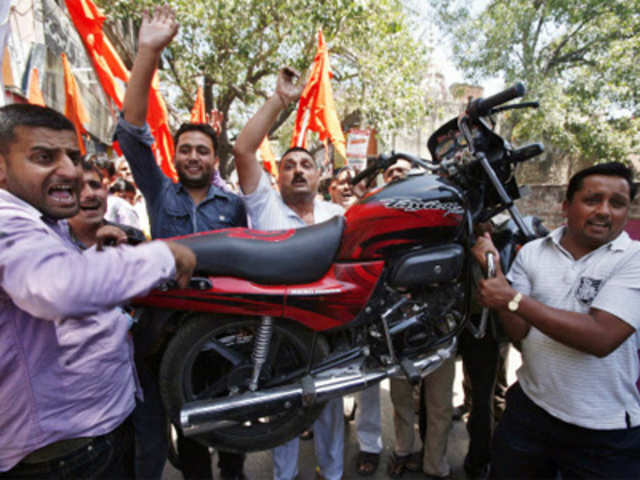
(421, 210)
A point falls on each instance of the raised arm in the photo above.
(288, 89)
(156, 32)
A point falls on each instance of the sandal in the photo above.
(367, 463)
(399, 463)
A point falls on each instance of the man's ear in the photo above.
(3, 170)
(565, 208)
(216, 162)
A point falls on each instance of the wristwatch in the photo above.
(514, 303)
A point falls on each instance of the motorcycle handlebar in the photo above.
(482, 106)
(383, 162)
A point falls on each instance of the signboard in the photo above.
(357, 148)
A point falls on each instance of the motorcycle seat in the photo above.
(279, 257)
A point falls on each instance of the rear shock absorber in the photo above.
(260, 350)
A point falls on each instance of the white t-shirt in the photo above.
(577, 387)
(267, 211)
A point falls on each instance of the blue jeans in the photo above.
(107, 457)
(530, 443)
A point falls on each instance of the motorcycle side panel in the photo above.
(429, 265)
(336, 299)
(332, 301)
(227, 295)
(422, 210)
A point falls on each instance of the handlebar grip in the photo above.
(523, 154)
(482, 106)
(364, 174)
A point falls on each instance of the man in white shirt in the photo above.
(296, 206)
(573, 303)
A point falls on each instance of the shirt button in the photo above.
(90, 448)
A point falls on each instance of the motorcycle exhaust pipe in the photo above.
(201, 417)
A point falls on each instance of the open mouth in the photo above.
(90, 207)
(62, 194)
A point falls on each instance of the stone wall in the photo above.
(545, 201)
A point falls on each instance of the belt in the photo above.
(62, 448)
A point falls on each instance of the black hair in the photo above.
(197, 127)
(27, 115)
(299, 149)
(122, 185)
(89, 164)
(615, 169)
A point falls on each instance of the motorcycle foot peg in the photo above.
(411, 372)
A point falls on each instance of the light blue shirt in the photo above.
(66, 369)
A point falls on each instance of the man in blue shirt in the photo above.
(192, 205)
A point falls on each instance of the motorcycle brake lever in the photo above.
(480, 331)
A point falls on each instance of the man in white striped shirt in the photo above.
(296, 206)
(573, 302)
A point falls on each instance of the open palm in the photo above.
(157, 30)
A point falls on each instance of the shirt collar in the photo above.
(620, 243)
(214, 191)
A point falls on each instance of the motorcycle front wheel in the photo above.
(210, 358)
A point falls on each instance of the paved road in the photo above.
(260, 467)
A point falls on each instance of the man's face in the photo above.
(299, 177)
(93, 200)
(341, 191)
(124, 171)
(195, 159)
(397, 171)
(598, 211)
(42, 168)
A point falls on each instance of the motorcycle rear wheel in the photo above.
(210, 356)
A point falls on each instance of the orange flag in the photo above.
(158, 120)
(267, 156)
(107, 64)
(198, 113)
(35, 94)
(316, 110)
(73, 107)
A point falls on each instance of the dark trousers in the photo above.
(106, 458)
(530, 443)
(481, 359)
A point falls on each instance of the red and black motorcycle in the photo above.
(277, 323)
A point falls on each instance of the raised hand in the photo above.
(157, 29)
(289, 86)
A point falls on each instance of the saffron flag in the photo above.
(110, 69)
(198, 112)
(35, 94)
(316, 110)
(107, 64)
(267, 156)
(158, 120)
(73, 106)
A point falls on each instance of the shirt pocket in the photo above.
(174, 221)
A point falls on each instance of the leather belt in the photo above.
(62, 448)
(57, 449)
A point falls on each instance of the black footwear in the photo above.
(476, 472)
(367, 463)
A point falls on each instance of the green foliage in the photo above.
(580, 58)
(239, 46)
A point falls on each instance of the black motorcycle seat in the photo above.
(279, 257)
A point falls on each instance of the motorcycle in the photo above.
(277, 323)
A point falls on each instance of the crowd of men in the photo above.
(72, 255)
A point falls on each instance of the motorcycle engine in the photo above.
(422, 319)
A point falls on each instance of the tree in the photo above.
(237, 47)
(580, 58)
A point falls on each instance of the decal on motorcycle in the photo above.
(313, 291)
(415, 204)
